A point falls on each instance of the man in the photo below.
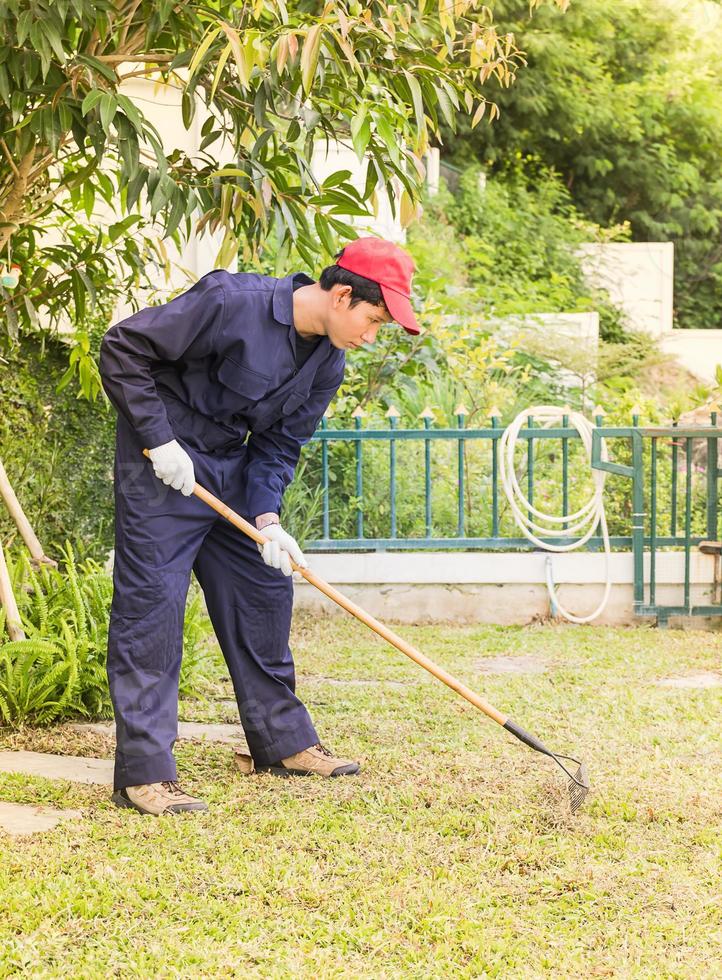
(223, 385)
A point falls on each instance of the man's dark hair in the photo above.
(363, 290)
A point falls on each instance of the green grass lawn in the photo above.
(452, 854)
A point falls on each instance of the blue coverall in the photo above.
(215, 369)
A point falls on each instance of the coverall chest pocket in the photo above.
(242, 384)
(293, 401)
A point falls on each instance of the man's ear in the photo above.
(340, 293)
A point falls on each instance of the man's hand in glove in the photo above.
(173, 465)
(280, 548)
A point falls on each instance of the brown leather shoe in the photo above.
(316, 760)
(157, 799)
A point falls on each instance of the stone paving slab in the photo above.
(22, 819)
(231, 734)
(75, 768)
(699, 681)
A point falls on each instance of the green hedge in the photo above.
(57, 449)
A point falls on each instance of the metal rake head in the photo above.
(578, 782)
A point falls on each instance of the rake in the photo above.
(578, 786)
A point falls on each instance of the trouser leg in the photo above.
(250, 605)
(158, 533)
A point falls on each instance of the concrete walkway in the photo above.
(187, 730)
(22, 819)
(76, 768)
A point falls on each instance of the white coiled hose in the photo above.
(588, 516)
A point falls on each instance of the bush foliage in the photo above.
(58, 671)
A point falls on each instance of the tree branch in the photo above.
(14, 204)
(9, 158)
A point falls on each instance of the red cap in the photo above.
(389, 266)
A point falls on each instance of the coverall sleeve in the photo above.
(272, 455)
(132, 346)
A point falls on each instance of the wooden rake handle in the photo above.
(416, 655)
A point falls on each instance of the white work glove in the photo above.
(173, 465)
(280, 548)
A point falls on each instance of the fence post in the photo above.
(530, 466)
(565, 467)
(495, 424)
(324, 478)
(427, 415)
(357, 416)
(461, 412)
(713, 474)
(638, 510)
(393, 415)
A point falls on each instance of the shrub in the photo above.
(58, 451)
(58, 671)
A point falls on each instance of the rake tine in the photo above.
(578, 787)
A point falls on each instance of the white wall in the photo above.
(639, 277)
(476, 587)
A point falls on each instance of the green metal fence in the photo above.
(664, 481)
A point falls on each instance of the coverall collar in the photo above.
(283, 296)
(283, 312)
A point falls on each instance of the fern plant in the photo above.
(59, 670)
(39, 680)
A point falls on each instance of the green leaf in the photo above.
(446, 108)
(417, 100)
(360, 132)
(176, 213)
(131, 111)
(4, 85)
(23, 26)
(291, 224)
(322, 227)
(51, 129)
(229, 172)
(88, 283)
(260, 144)
(53, 35)
(202, 49)
(345, 230)
(108, 109)
(162, 194)
(130, 152)
(388, 135)
(188, 109)
(88, 198)
(309, 56)
(181, 59)
(66, 378)
(219, 69)
(338, 177)
(10, 314)
(210, 137)
(31, 311)
(98, 66)
(371, 181)
(120, 227)
(78, 295)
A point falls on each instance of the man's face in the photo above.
(350, 327)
